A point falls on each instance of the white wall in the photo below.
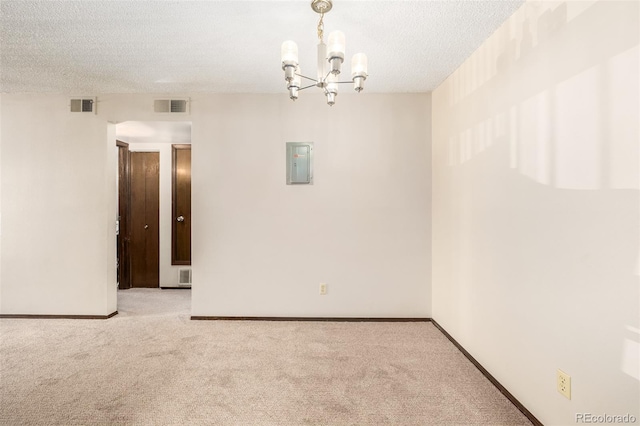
(0, 200)
(168, 272)
(111, 187)
(536, 207)
(58, 227)
(260, 247)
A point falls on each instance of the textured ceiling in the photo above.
(145, 46)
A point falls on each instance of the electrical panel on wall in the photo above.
(299, 163)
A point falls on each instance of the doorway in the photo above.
(159, 158)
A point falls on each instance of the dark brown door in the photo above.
(181, 205)
(145, 219)
(124, 266)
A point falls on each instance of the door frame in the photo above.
(161, 139)
(123, 255)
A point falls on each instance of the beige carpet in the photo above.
(152, 365)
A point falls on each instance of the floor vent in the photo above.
(184, 277)
(171, 105)
(82, 105)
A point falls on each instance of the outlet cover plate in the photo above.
(564, 383)
(323, 289)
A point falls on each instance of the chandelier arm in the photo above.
(304, 76)
(344, 82)
(306, 87)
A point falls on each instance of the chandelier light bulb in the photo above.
(359, 71)
(359, 65)
(336, 49)
(289, 51)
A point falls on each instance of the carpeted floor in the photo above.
(152, 365)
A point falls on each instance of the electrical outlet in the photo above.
(323, 289)
(564, 383)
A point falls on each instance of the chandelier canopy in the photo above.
(330, 59)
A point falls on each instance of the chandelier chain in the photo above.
(321, 26)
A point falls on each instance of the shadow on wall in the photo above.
(544, 143)
(554, 99)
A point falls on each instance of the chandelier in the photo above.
(330, 59)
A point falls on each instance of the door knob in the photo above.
(146, 227)
(180, 218)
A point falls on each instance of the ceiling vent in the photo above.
(179, 106)
(83, 105)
